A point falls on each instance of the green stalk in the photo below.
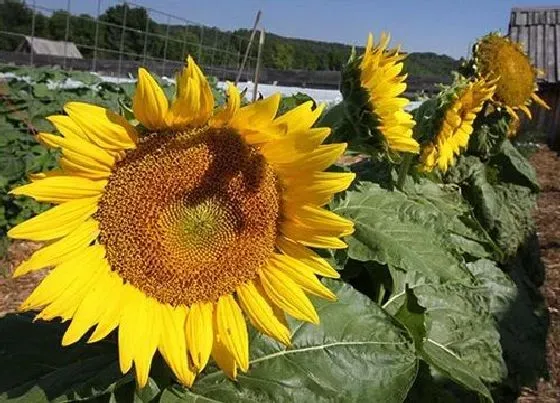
(403, 170)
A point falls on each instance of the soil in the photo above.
(547, 217)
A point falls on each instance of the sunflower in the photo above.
(456, 125)
(177, 230)
(497, 57)
(381, 78)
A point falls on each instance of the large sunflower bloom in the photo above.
(380, 76)
(457, 125)
(177, 232)
(497, 57)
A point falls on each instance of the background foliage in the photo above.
(280, 52)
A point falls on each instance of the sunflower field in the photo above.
(202, 248)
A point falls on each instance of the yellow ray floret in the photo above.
(381, 77)
(176, 233)
(457, 125)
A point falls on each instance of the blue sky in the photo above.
(441, 26)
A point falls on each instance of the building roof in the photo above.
(41, 46)
(538, 30)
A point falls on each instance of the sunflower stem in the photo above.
(403, 170)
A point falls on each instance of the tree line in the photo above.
(211, 46)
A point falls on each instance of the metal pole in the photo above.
(165, 46)
(121, 50)
(200, 45)
(67, 34)
(146, 38)
(32, 34)
(96, 43)
(257, 19)
(214, 48)
(184, 43)
(258, 66)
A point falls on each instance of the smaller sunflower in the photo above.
(456, 125)
(381, 76)
(497, 57)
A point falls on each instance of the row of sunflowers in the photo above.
(225, 253)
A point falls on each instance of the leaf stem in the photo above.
(403, 170)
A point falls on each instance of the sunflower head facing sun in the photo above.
(455, 126)
(373, 84)
(497, 57)
(176, 231)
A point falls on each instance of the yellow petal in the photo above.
(148, 341)
(232, 330)
(223, 117)
(540, 101)
(300, 118)
(319, 219)
(194, 101)
(60, 189)
(75, 242)
(224, 359)
(102, 126)
(302, 275)
(199, 333)
(259, 113)
(92, 306)
(57, 222)
(72, 167)
(305, 255)
(63, 276)
(321, 158)
(261, 314)
(80, 152)
(67, 127)
(317, 188)
(68, 301)
(110, 315)
(290, 147)
(133, 324)
(149, 103)
(310, 236)
(286, 294)
(172, 343)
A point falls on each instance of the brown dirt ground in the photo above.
(547, 216)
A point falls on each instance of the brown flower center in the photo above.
(498, 57)
(189, 216)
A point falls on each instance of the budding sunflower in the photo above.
(178, 234)
(497, 57)
(452, 124)
(372, 87)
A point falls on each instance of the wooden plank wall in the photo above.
(537, 29)
(545, 121)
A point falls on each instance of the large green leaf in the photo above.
(440, 358)
(522, 314)
(357, 353)
(34, 367)
(514, 167)
(504, 209)
(394, 230)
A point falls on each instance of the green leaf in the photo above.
(421, 321)
(458, 321)
(36, 368)
(514, 167)
(503, 209)
(357, 353)
(520, 309)
(393, 230)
